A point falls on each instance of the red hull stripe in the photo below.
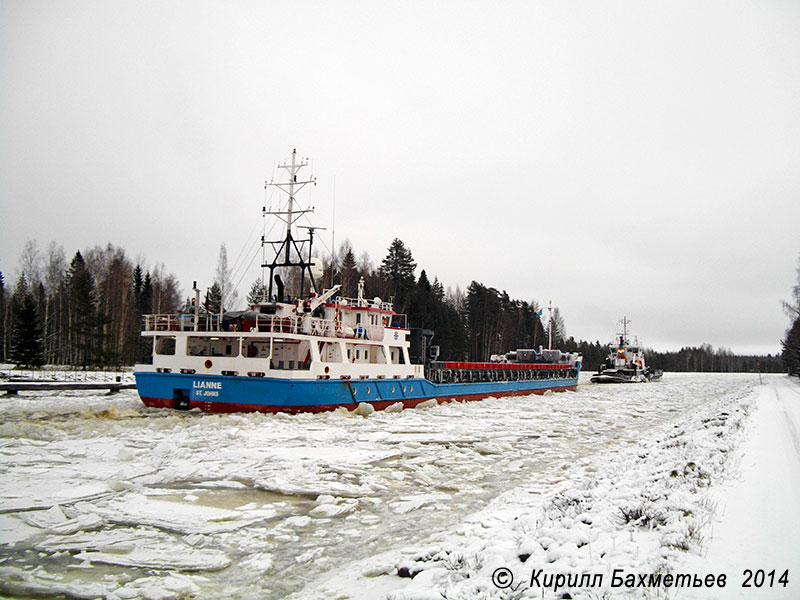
(230, 407)
(509, 366)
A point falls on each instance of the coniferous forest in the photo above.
(87, 311)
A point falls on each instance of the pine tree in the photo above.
(349, 271)
(144, 297)
(27, 345)
(438, 289)
(791, 343)
(257, 293)
(138, 282)
(791, 349)
(559, 329)
(82, 312)
(397, 273)
(423, 305)
(483, 321)
(213, 298)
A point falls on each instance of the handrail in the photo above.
(364, 303)
(179, 322)
(267, 324)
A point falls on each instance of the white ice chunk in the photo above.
(298, 522)
(45, 518)
(261, 562)
(364, 409)
(334, 510)
(408, 503)
(14, 529)
(173, 586)
(188, 559)
(428, 403)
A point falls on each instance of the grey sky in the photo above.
(620, 158)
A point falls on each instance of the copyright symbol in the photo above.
(502, 578)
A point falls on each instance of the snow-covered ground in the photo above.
(59, 373)
(103, 497)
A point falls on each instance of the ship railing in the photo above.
(179, 322)
(437, 372)
(294, 324)
(275, 323)
(316, 326)
(272, 323)
(364, 302)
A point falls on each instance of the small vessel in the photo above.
(625, 362)
(321, 351)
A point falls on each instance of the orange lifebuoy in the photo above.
(208, 364)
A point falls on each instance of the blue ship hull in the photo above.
(216, 393)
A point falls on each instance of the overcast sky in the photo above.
(620, 158)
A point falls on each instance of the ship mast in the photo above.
(625, 322)
(289, 250)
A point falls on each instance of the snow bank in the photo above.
(757, 511)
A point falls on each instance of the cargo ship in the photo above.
(321, 350)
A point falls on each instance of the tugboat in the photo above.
(625, 363)
(321, 351)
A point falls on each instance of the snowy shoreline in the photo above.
(106, 498)
(637, 514)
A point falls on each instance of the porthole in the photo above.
(404, 389)
(412, 388)
(393, 389)
(368, 390)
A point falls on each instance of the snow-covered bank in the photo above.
(757, 523)
(104, 497)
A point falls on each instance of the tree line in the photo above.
(470, 325)
(89, 312)
(791, 343)
(693, 359)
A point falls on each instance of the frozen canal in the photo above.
(102, 496)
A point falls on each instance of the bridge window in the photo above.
(165, 345)
(257, 349)
(330, 352)
(212, 346)
(397, 356)
(291, 355)
(379, 356)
